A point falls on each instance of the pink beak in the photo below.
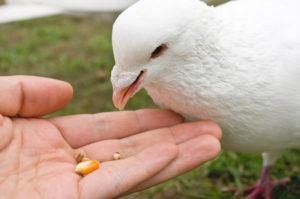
(121, 96)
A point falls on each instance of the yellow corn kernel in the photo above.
(87, 167)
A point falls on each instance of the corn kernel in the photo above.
(87, 167)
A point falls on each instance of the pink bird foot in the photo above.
(263, 188)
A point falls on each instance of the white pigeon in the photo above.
(16, 10)
(237, 64)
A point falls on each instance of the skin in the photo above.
(38, 156)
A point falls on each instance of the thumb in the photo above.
(30, 96)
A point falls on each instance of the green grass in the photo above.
(78, 50)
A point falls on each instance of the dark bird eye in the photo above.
(159, 51)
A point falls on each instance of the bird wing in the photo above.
(273, 34)
(14, 12)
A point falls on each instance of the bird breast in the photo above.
(247, 109)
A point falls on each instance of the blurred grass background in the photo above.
(78, 50)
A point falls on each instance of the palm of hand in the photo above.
(38, 156)
(36, 161)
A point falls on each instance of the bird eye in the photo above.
(159, 51)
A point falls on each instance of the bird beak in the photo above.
(126, 86)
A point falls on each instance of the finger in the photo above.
(134, 144)
(116, 178)
(191, 154)
(30, 96)
(81, 130)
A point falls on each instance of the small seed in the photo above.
(80, 157)
(117, 156)
(87, 167)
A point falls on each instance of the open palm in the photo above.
(38, 156)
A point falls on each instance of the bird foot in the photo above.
(263, 190)
(260, 192)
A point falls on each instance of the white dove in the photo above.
(237, 64)
(16, 10)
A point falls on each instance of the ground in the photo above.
(79, 50)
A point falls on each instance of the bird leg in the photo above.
(263, 188)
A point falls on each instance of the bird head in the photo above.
(150, 42)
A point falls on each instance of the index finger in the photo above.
(30, 96)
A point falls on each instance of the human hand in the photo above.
(38, 156)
